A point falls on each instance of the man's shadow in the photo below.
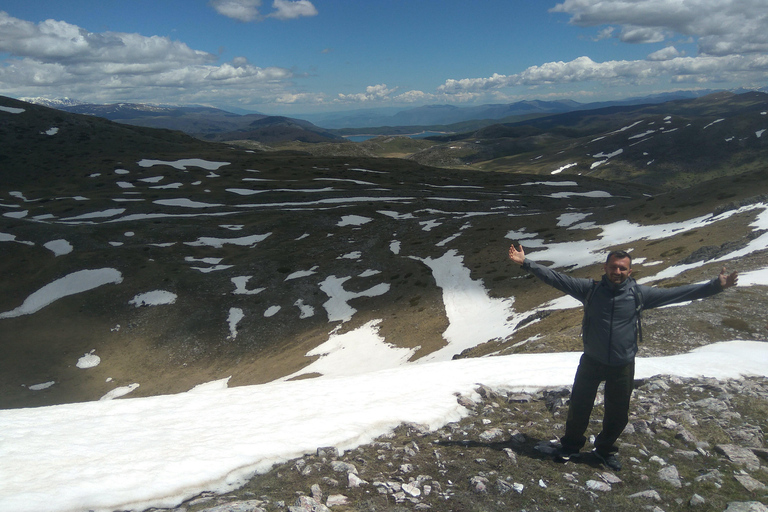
(531, 447)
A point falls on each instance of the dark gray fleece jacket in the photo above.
(611, 316)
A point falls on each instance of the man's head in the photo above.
(618, 266)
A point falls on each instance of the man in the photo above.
(610, 331)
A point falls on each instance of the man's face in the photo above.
(618, 269)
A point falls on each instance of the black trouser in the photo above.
(619, 382)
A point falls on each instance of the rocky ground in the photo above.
(692, 444)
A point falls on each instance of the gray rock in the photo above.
(411, 490)
(466, 402)
(503, 487)
(648, 495)
(696, 501)
(343, 467)
(596, 485)
(750, 483)
(685, 436)
(712, 404)
(712, 476)
(739, 455)
(354, 481)
(746, 506)
(329, 452)
(491, 434)
(335, 500)
(747, 435)
(307, 504)
(610, 478)
(479, 484)
(670, 475)
(522, 398)
(240, 506)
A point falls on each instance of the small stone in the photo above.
(669, 424)
(491, 434)
(307, 504)
(343, 467)
(642, 427)
(610, 478)
(739, 455)
(670, 475)
(746, 506)
(596, 485)
(712, 404)
(355, 481)
(479, 484)
(648, 495)
(518, 488)
(750, 483)
(239, 506)
(411, 490)
(687, 454)
(335, 500)
(466, 402)
(696, 501)
(329, 452)
(503, 487)
(712, 476)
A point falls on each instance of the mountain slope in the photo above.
(673, 144)
(229, 262)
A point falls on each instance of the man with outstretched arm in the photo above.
(610, 330)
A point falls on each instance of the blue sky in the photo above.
(293, 56)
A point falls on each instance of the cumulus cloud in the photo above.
(241, 10)
(372, 93)
(670, 52)
(731, 36)
(54, 58)
(250, 10)
(721, 27)
(583, 69)
(288, 10)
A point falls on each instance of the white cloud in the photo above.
(730, 34)
(249, 10)
(54, 58)
(631, 34)
(288, 10)
(723, 27)
(414, 97)
(583, 69)
(62, 43)
(241, 10)
(670, 52)
(372, 93)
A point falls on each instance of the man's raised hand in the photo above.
(727, 280)
(515, 255)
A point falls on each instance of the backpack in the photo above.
(638, 295)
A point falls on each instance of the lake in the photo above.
(420, 135)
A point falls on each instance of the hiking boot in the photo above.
(563, 453)
(610, 460)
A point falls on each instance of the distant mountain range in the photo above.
(215, 124)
